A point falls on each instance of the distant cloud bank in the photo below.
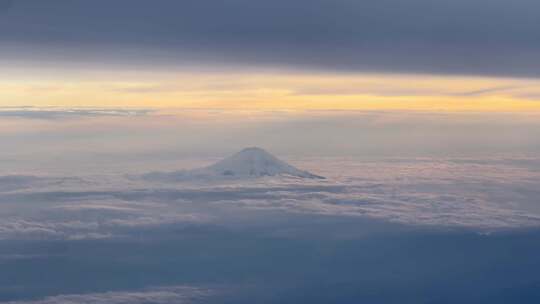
(64, 113)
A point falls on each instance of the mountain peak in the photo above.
(252, 152)
(254, 161)
(248, 163)
(253, 149)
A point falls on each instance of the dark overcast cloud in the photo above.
(493, 37)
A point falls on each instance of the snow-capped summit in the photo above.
(249, 163)
(255, 162)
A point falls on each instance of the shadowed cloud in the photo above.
(448, 37)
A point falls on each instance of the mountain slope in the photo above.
(249, 163)
(255, 162)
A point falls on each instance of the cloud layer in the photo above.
(65, 113)
(466, 37)
(467, 193)
(161, 295)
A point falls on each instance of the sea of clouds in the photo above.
(453, 193)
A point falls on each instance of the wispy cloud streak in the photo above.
(159, 295)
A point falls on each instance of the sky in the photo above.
(445, 56)
(304, 78)
(422, 117)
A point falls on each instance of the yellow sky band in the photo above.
(244, 90)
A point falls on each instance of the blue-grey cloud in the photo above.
(64, 113)
(156, 295)
(493, 37)
(20, 182)
(5, 5)
(43, 208)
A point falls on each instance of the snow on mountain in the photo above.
(249, 163)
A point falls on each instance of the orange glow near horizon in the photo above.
(273, 91)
